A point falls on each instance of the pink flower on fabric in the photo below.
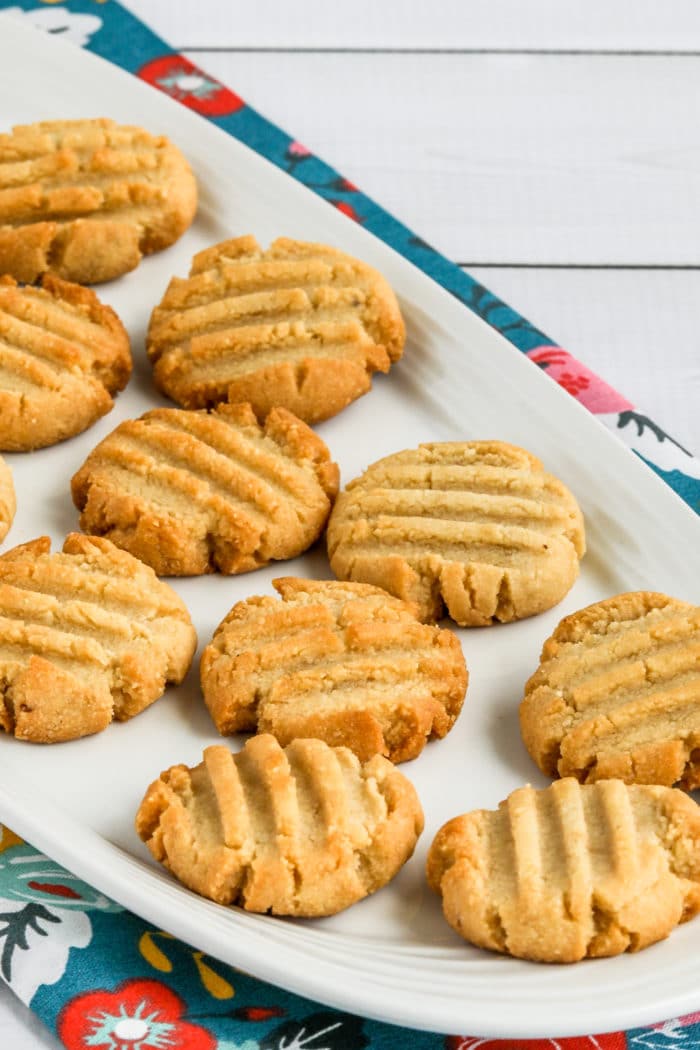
(580, 382)
(296, 149)
(138, 1015)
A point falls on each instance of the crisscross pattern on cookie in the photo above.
(63, 354)
(84, 199)
(568, 872)
(86, 635)
(343, 662)
(617, 693)
(298, 325)
(191, 492)
(305, 831)
(8, 504)
(477, 527)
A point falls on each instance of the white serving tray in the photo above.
(392, 956)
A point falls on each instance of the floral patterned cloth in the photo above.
(97, 975)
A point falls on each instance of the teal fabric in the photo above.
(99, 976)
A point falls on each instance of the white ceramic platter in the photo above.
(392, 956)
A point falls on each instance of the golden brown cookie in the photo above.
(476, 527)
(617, 693)
(85, 199)
(343, 662)
(192, 492)
(63, 355)
(86, 636)
(303, 831)
(571, 872)
(8, 504)
(299, 325)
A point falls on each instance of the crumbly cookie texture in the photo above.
(299, 325)
(87, 635)
(617, 693)
(476, 528)
(193, 492)
(344, 662)
(8, 503)
(63, 356)
(571, 871)
(86, 199)
(304, 831)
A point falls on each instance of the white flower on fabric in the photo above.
(60, 22)
(35, 942)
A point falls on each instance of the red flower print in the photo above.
(611, 1041)
(138, 1015)
(573, 382)
(57, 889)
(177, 77)
(347, 209)
(258, 1013)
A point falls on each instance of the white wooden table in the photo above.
(552, 149)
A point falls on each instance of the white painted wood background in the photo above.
(551, 148)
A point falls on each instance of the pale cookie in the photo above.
(617, 693)
(192, 492)
(343, 662)
(298, 325)
(86, 636)
(303, 831)
(8, 504)
(63, 355)
(571, 872)
(476, 527)
(86, 199)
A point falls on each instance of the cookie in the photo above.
(86, 199)
(86, 636)
(8, 504)
(304, 831)
(63, 356)
(343, 662)
(476, 527)
(192, 492)
(299, 325)
(571, 872)
(617, 693)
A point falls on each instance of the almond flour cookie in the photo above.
(303, 831)
(86, 636)
(617, 693)
(192, 492)
(571, 872)
(86, 199)
(63, 355)
(298, 325)
(8, 504)
(343, 662)
(476, 527)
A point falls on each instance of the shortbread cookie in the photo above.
(63, 355)
(617, 693)
(85, 199)
(571, 872)
(86, 636)
(8, 504)
(475, 527)
(303, 831)
(343, 662)
(298, 325)
(192, 492)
